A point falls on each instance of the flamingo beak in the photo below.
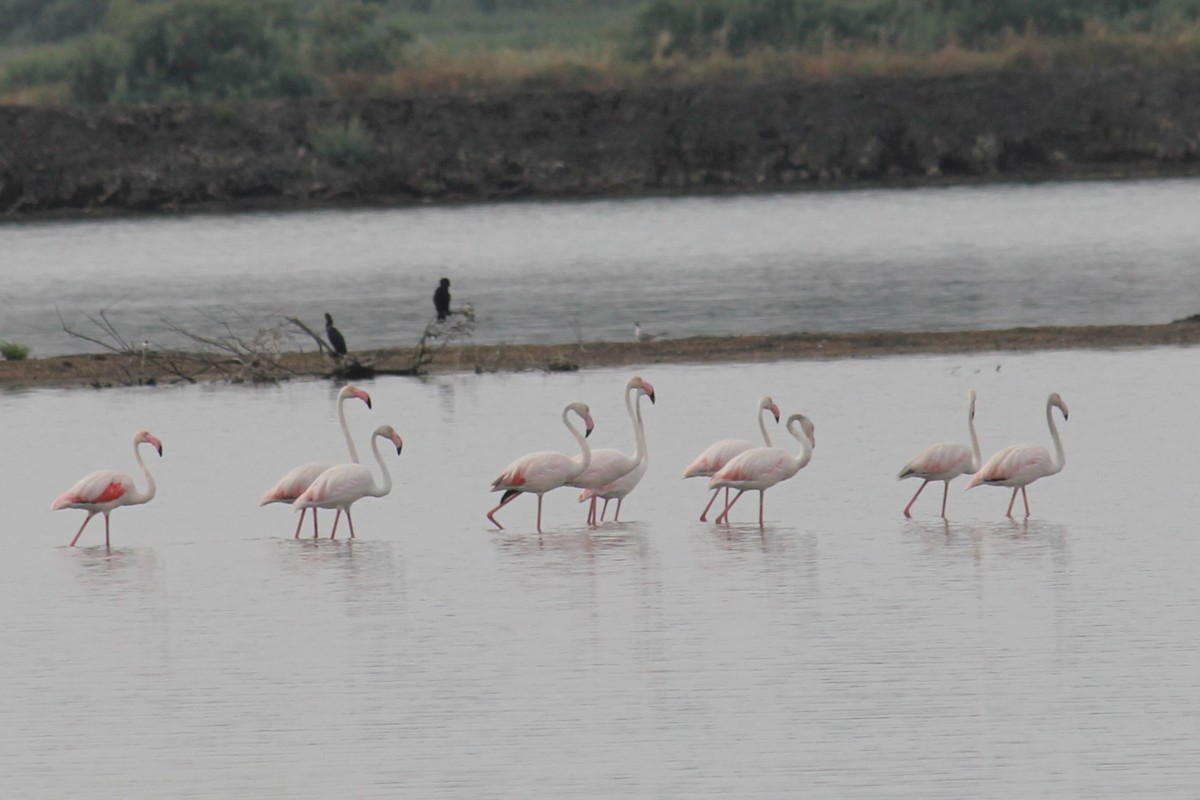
(398, 442)
(775, 411)
(366, 398)
(588, 431)
(157, 445)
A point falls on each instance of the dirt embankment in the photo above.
(490, 146)
(103, 370)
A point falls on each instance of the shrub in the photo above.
(343, 144)
(349, 37)
(12, 351)
(97, 68)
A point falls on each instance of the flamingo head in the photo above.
(353, 391)
(146, 437)
(585, 414)
(1056, 400)
(642, 386)
(388, 432)
(767, 404)
(806, 424)
(971, 401)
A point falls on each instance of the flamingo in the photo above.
(1019, 465)
(762, 467)
(340, 486)
(103, 490)
(718, 454)
(293, 484)
(944, 461)
(611, 473)
(544, 470)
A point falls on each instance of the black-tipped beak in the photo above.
(369, 402)
(399, 448)
(651, 396)
(587, 433)
(159, 448)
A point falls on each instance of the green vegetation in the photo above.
(96, 51)
(12, 351)
(347, 144)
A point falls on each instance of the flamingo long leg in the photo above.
(316, 533)
(1013, 500)
(908, 508)
(762, 496)
(945, 496)
(616, 516)
(503, 503)
(336, 517)
(106, 544)
(725, 514)
(604, 508)
(1025, 497)
(350, 520)
(717, 491)
(303, 511)
(79, 532)
(539, 525)
(591, 520)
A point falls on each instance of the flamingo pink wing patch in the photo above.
(111, 492)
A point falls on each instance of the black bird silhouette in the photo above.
(441, 299)
(335, 336)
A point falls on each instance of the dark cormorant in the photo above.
(441, 299)
(336, 340)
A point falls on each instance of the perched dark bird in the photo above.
(336, 340)
(441, 299)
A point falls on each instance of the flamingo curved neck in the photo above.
(585, 452)
(976, 457)
(634, 407)
(805, 446)
(380, 491)
(762, 426)
(346, 429)
(1060, 455)
(151, 488)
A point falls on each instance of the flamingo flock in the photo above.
(602, 474)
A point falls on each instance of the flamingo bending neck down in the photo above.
(609, 467)
(293, 484)
(545, 470)
(718, 454)
(763, 467)
(1019, 465)
(945, 461)
(340, 486)
(102, 491)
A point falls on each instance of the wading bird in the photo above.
(762, 467)
(293, 484)
(717, 455)
(342, 485)
(612, 474)
(1019, 465)
(102, 491)
(944, 461)
(540, 472)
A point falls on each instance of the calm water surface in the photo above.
(840, 652)
(996, 256)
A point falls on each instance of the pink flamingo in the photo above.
(1019, 465)
(719, 453)
(340, 486)
(609, 467)
(544, 470)
(763, 467)
(293, 484)
(944, 461)
(102, 491)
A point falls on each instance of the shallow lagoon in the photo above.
(841, 651)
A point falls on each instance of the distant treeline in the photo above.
(134, 51)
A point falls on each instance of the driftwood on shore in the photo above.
(107, 369)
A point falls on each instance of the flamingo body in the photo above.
(944, 461)
(544, 470)
(720, 453)
(343, 485)
(1019, 465)
(760, 468)
(104, 490)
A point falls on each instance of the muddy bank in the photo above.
(99, 371)
(619, 143)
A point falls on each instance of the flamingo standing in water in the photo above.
(944, 461)
(102, 491)
(340, 486)
(544, 470)
(611, 473)
(293, 484)
(719, 453)
(762, 467)
(1019, 465)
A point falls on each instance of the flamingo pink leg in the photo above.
(1013, 500)
(336, 517)
(616, 516)
(106, 544)
(316, 533)
(503, 503)
(908, 508)
(350, 520)
(717, 491)
(604, 508)
(303, 511)
(591, 518)
(945, 496)
(79, 532)
(539, 525)
(1025, 497)
(728, 506)
(762, 496)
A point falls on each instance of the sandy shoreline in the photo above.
(104, 370)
